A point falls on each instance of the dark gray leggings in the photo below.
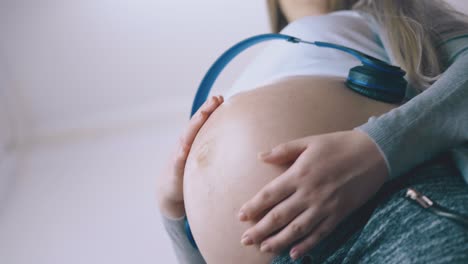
(392, 229)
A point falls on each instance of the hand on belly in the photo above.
(223, 171)
(332, 174)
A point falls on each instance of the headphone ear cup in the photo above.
(374, 94)
(377, 84)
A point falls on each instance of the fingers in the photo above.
(197, 121)
(195, 124)
(302, 225)
(276, 219)
(311, 240)
(284, 153)
(270, 195)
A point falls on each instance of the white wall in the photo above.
(101, 87)
(460, 5)
(8, 138)
(83, 63)
(79, 63)
(100, 90)
(89, 201)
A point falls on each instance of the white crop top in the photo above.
(280, 58)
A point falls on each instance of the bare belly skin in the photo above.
(223, 171)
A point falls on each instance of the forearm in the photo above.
(185, 253)
(432, 122)
(173, 210)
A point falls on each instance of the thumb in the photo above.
(284, 153)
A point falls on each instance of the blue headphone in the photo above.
(375, 78)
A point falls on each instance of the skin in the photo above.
(169, 186)
(170, 195)
(317, 199)
(295, 9)
(331, 199)
(324, 177)
(318, 172)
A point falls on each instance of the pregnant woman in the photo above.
(330, 186)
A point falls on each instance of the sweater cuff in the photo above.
(381, 142)
(185, 252)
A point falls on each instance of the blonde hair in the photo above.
(411, 32)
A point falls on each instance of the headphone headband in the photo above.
(375, 78)
(226, 57)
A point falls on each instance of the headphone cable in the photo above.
(436, 208)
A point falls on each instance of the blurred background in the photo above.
(93, 95)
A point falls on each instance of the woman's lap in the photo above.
(393, 229)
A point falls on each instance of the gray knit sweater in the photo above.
(432, 122)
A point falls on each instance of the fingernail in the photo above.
(264, 154)
(246, 240)
(265, 248)
(242, 216)
(294, 254)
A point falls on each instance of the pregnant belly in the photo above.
(222, 170)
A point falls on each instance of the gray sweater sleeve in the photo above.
(184, 251)
(432, 122)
